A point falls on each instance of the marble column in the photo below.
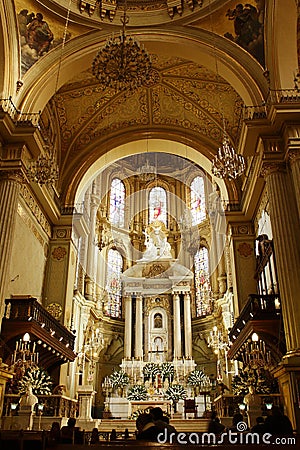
(128, 327)
(10, 183)
(285, 228)
(294, 158)
(138, 351)
(187, 325)
(176, 323)
(213, 260)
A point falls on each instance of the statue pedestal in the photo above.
(85, 398)
(25, 417)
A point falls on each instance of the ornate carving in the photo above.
(294, 155)
(55, 309)
(245, 249)
(35, 209)
(24, 215)
(153, 302)
(59, 253)
(272, 167)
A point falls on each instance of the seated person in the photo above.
(260, 426)
(215, 426)
(146, 428)
(161, 421)
(70, 434)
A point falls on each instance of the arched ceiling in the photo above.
(187, 99)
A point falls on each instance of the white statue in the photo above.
(28, 399)
(156, 243)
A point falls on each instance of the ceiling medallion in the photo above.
(122, 64)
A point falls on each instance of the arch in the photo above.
(78, 187)
(9, 50)
(235, 65)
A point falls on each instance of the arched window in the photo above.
(117, 203)
(158, 205)
(113, 283)
(197, 206)
(202, 283)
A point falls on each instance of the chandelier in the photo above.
(147, 172)
(254, 354)
(44, 170)
(122, 64)
(24, 355)
(227, 163)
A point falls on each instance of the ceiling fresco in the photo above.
(180, 94)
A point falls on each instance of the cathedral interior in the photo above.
(125, 250)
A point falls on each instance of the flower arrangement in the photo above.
(150, 370)
(167, 370)
(262, 381)
(176, 392)
(137, 392)
(119, 379)
(39, 380)
(196, 378)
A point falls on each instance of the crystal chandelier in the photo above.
(147, 172)
(227, 163)
(122, 64)
(44, 170)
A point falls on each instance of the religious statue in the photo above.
(28, 399)
(253, 403)
(156, 242)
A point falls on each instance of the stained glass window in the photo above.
(113, 283)
(198, 207)
(202, 283)
(117, 203)
(158, 205)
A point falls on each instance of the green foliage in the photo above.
(167, 370)
(262, 381)
(196, 378)
(137, 392)
(39, 380)
(119, 379)
(176, 392)
(151, 370)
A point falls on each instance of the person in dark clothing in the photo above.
(215, 426)
(278, 423)
(260, 426)
(71, 434)
(161, 421)
(54, 435)
(146, 428)
(95, 436)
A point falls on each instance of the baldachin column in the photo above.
(187, 326)
(176, 321)
(138, 353)
(128, 327)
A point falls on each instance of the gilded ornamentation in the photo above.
(272, 167)
(59, 253)
(155, 270)
(55, 309)
(245, 249)
(35, 209)
(24, 216)
(153, 302)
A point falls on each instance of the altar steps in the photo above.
(181, 425)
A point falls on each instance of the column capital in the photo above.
(242, 229)
(293, 155)
(16, 176)
(271, 167)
